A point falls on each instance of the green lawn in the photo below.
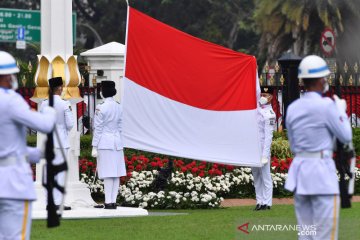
(197, 224)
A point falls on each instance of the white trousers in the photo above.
(111, 188)
(263, 184)
(319, 212)
(15, 219)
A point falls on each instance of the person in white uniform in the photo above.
(64, 123)
(312, 123)
(262, 176)
(16, 177)
(107, 143)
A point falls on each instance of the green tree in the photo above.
(21, 4)
(223, 22)
(297, 24)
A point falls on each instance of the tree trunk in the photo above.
(233, 35)
(298, 40)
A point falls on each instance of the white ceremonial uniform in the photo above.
(262, 176)
(16, 178)
(107, 138)
(64, 123)
(312, 123)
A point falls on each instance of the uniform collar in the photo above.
(109, 99)
(5, 89)
(313, 95)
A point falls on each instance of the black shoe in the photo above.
(67, 208)
(265, 207)
(258, 207)
(99, 206)
(115, 205)
(108, 206)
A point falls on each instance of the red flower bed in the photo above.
(87, 167)
(197, 168)
(142, 163)
(281, 165)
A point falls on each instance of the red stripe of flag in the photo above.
(186, 69)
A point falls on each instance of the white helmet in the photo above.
(313, 67)
(7, 64)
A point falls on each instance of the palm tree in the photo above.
(297, 24)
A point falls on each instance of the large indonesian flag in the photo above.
(187, 97)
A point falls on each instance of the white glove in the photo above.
(42, 138)
(340, 103)
(34, 154)
(264, 160)
(94, 152)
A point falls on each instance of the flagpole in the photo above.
(126, 35)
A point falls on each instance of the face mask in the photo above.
(263, 100)
(101, 95)
(326, 87)
(14, 83)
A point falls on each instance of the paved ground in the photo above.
(249, 202)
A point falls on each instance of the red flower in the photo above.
(138, 167)
(129, 174)
(202, 167)
(211, 171)
(154, 164)
(275, 164)
(194, 170)
(183, 169)
(230, 168)
(201, 174)
(218, 172)
(180, 162)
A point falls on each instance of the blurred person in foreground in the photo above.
(16, 178)
(313, 121)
